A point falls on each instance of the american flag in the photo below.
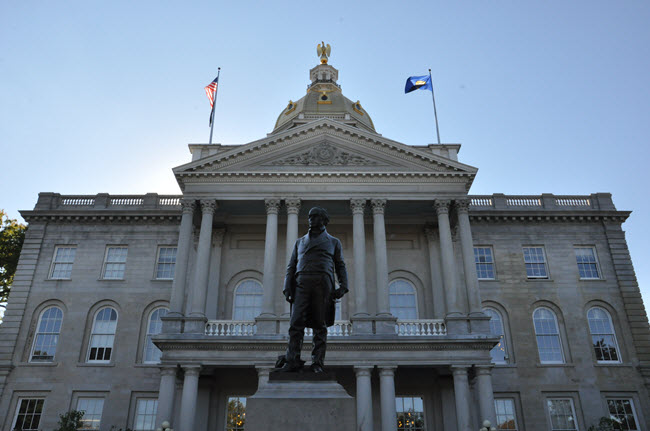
(211, 89)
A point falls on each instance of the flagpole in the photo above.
(214, 102)
(435, 114)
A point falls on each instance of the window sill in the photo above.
(592, 279)
(90, 364)
(38, 364)
(119, 280)
(165, 280)
(612, 364)
(567, 365)
(488, 279)
(537, 280)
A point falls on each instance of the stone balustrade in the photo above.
(341, 328)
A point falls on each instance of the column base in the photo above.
(267, 325)
(385, 324)
(172, 324)
(362, 324)
(195, 324)
(457, 324)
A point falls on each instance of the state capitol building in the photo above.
(139, 309)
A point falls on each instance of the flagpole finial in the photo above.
(323, 51)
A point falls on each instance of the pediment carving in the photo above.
(324, 154)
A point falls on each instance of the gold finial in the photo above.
(323, 51)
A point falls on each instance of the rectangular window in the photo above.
(506, 415)
(236, 414)
(166, 263)
(92, 408)
(410, 413)
(62, 262)
(115, 263)
(484, 263)
(622, 411)
(145, 414)
(587, 263)
(28, 414)
(535, 260)
(562, 414)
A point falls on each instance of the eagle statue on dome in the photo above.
(323, 51)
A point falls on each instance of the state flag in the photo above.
(418, 83)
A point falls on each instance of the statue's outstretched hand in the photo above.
(338, 293)
(287, 296)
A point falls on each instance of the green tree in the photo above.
(70, 421)
(12, 236)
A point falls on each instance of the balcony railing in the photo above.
(341, 328)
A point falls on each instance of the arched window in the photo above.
(151, 353)
(603, 336)
(47, 335)
(549, 343)
(248, 300)
(100, 347)
(499, 353)
(402, 300)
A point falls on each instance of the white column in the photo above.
(270, 259)
(461, 393)
(448, 261)
(182, 256)
(485, 394)
(364, 398)
(359, 243)
(202, 270)
(381, 258)
(436, 274)
(166, 393)
(293, 208)
(387, 395)
(188, 399)
(469, 265)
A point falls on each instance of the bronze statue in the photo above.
(310, 286)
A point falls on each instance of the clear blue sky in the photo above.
(545, 96)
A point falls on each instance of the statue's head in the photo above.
(318, 217)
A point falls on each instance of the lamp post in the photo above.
(165, 426)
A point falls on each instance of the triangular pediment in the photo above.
(325, 146)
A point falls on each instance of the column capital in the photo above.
(272, 206)
(192, 370)
(441, 206)
(462, 205)
(483, 370)
(208, 206)
(431, 234)
(187, 206)
(378, 206)
(363, 370)
(293, 205)
(387, 371)
(168, 371)
(358, 206)
(217, 236)
(459, 370)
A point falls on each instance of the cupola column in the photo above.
(293, 208)
(359, 243)
(467, 247)
(182, 257)
(270, 256)
(448, 261)
(381, 257)
(202, 270)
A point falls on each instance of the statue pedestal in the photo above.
(301, 401)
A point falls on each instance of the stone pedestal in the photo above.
(301, 404)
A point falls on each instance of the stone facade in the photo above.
(401, 212)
